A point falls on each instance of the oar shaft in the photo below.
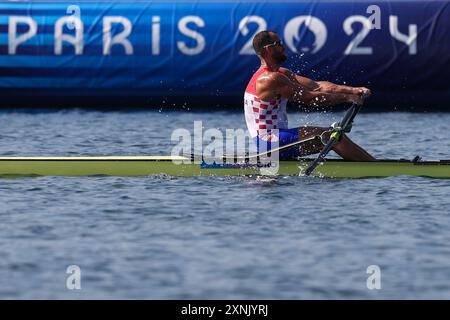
(321, 156)
(285, 147)
(344, 124)
(350, 116)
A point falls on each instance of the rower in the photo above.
(266, 96)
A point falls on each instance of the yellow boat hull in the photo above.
(181, 166)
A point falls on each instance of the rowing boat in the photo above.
(186, 166)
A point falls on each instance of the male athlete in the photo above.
(272, 86)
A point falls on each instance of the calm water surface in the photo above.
(220, 237)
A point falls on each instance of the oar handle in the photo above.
(350, 116)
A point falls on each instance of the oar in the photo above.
(344, 126)
(258, 155)
(286, 146)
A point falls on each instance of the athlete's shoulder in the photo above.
(282, 70)
(270, 79)
(285, 71)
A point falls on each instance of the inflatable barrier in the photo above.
(163, 54)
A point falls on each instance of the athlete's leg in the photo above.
(349, 150)
(346, 148)
(313, 146)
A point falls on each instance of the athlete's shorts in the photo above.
(285, 136)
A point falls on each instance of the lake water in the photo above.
(220, 237)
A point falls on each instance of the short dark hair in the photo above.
(262, 39)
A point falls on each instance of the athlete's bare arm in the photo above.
(276, 83)
(327, 86)
(324, 86)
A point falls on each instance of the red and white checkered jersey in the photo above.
(263, 116)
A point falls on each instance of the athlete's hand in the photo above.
(355, 98)
(364, 92)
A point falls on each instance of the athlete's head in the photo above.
(268, 46)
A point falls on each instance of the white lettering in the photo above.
(156, 35)
(198, 137)
(236, 142)
(76, 41)
(193, 310)
(121, 38)
(374, 280)
(269, 160)
(352, 47)
(184, 146)
(182, 26)
(410, 40)
(13, 41)
(75, 11)
(375, 18)
(262, 25)
(74, 280)
(214, 150)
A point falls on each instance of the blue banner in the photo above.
(203, 49)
